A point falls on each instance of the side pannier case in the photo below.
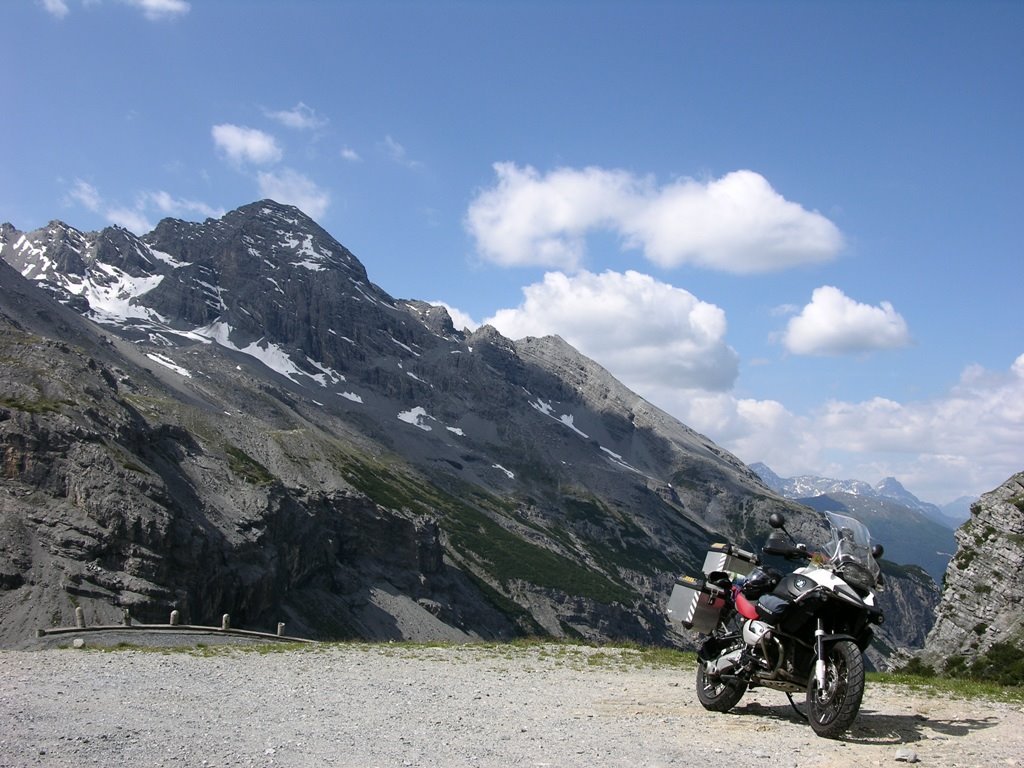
(729, 559)
(696, 604)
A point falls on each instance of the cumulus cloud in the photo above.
(289, 186)
(530, 220)
(964, 442)
(735, 224)
(347, 153)
(834, 324)
(242, 144)
(300, 117)
(642, 330)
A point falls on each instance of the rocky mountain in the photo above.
(229, 417)
(981, 601)
(807, 486)
(905, 525)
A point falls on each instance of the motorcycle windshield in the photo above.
(849, 550)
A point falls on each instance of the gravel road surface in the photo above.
(486, 706)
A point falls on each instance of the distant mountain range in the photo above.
(912, 531)
(950, 515)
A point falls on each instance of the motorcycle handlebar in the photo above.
(742, 553)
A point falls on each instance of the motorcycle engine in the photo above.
(754, 631)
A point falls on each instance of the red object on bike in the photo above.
(745, 608)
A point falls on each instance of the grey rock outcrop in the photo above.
(982, 598)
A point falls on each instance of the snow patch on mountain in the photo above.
(168, 363)
(271, 355)
(509, 473)
(418, 417)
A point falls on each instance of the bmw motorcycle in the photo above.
(804, 632)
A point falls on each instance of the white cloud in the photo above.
(291, 187)
(736, 224)
(157, 10)
(834, 324)
(56, 8)
(135, 217)
(529, 220)
(86, 195)
(642, 330)
(154, 10)
(965, 442)
(243, 144)
(347, 153)
(300, 117)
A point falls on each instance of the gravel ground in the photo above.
(487, 706)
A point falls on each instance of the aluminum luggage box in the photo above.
(696, 604)
(729, 559)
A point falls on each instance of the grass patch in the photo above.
(31, 406)
(950, 687)
(246, 467)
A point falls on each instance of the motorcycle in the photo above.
(804, 632)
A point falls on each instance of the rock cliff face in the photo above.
(228, 417)
(983, 597)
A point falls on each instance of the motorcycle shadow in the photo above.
(879, 728)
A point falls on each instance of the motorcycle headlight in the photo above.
(858, 577)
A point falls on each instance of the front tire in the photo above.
(716, 694)
(833, 708)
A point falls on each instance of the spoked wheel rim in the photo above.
(716, 692)
(829, 700)
(832, 707)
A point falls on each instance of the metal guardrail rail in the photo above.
(129, 625)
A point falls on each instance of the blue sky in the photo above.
(793, 225)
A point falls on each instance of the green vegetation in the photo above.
(964, 557)
(505, 555)
(246, 467)
(924, 681)
(1001, 666)
(42, 405)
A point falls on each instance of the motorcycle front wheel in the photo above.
(716, 694)
(832, 708)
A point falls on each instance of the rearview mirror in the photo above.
(779, 544)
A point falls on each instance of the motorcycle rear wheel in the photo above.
(716, 694)
(833, 708)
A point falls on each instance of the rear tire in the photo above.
(716, 694)
(833, 708)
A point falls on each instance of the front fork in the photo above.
(819, 665)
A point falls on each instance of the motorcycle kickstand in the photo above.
(795, 709)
